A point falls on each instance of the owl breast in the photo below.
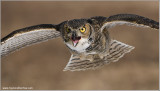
(81, 47)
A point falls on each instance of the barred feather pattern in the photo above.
(21, 40)
(131, 20)
(116, 51)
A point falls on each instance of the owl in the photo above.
(87, 39)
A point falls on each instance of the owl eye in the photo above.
(83, 29)
(68, 30)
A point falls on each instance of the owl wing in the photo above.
(76, 64)
(117, 50)
(27, 36)
(129, 19)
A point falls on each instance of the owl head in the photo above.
(77, 33)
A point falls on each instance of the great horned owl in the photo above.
(87, 39)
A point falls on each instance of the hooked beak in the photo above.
(75, 39)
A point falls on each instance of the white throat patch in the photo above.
(81, 46)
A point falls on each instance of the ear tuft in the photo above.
(90, 21)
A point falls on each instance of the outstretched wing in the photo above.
(76, 64)
(116, 51)
(27, 36)
(129, 19)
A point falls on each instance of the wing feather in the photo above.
(27, 36)
(129, 19)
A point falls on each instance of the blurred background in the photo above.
(41, 66)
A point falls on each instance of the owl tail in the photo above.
(116, 51)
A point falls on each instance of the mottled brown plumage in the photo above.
(88, 39)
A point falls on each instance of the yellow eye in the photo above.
(83, 29)
(68, 30)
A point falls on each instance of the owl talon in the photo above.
(91, 60)
(87, 57)
(101, 56)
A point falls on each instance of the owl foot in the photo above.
(101, 56)
(91, 59)
(87, 57)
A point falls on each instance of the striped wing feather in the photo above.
(130, 19)
(75, 64)
(27, 36)
(116, 51)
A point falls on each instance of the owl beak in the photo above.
(75, 39)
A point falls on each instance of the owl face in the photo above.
(77, 34)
